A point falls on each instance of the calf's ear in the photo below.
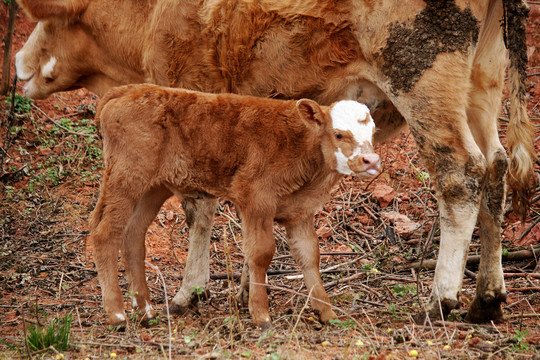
(310, 112)
(46, 9)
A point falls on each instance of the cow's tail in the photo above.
(520, 134)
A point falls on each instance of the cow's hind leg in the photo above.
(134, 250)
(199, 216)
(484, 104)
(305, 249)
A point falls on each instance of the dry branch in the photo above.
(471, 260)
(4, 87)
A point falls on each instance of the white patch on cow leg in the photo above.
(135, 302)
(47, 70)
(456, 232)
(148, 310)
(120, 317)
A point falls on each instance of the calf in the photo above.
(276, 160)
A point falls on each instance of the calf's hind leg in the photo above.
(107, 229)
(134, 249)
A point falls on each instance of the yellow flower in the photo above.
(113, 355)
(359, 343)
(59, 356)
(389, 330)
(447, 347)
(413, 353)
(429, 342)
(326, 343)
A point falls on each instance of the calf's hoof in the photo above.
(486, 308)
(265, 326)
(434, 312)
(117, 322)
(326, 316)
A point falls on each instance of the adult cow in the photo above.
(438, 64)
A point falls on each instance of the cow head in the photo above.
(63, 52)
(350, 131)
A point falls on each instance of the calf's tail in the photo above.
(520, 134)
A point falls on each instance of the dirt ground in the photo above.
(50, 183)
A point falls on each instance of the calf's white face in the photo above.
(353, 130)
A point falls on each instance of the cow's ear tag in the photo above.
(310, 112)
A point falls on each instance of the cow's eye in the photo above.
(48, 80)
(339, 136)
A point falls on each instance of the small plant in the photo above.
(343, 323)
(56, 335)
(520, 341)
(22, 104)
(401, 291)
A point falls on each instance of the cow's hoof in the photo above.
(175, 309)
(434, 312)
(486, 308)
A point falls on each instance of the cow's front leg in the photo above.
(305, 249)
(459, 176)
(134, 250)
(199, 216)
(259, 248)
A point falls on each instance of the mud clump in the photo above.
(412, 48)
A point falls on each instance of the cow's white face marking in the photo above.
(47, 70)
(349, 115)
(19, 66)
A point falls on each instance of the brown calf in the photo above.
(276, 160)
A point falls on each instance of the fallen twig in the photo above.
(471, 260)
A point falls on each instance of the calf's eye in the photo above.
(339, 136)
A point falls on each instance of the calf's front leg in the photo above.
(259, 248)
(305, 250)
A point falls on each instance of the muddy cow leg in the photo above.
(199, 216)
(134, 249)
(259, 248)
(304, 246)
(435, 109)
(487, 81)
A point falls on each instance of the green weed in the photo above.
(56, 335)
(22, 104)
